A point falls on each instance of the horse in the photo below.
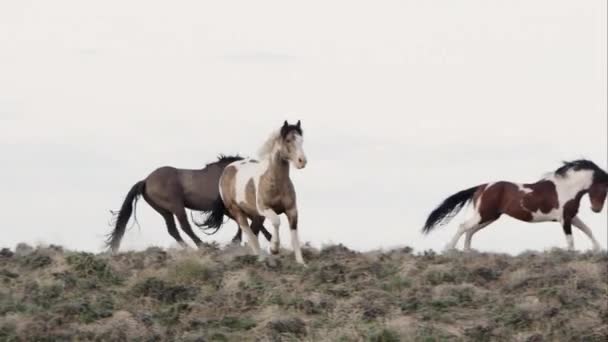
(256, 189)
(556, 198)
(169, 191)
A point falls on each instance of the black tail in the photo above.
(113, 240)
(448, 209)
(215, 220)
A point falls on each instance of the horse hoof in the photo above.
(274, 251)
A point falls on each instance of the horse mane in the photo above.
(266, 149)
(225, 159)
(222, 158)
(582, 164)
(576, 165)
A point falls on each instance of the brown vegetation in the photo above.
(49, 294)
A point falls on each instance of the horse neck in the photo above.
(278, 168)
(575, 181)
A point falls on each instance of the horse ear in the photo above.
(299, 124)
(285, 124)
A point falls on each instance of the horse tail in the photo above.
(123, 215)
(448, 209)
(215, 219)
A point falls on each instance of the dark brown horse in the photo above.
(170, 191)
(555, 198)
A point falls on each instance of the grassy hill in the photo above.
(49, 294)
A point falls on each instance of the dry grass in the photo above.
(49, 294)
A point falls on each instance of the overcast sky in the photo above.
(403, 103)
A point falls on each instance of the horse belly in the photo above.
(200, 190)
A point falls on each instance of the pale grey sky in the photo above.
(403, 103)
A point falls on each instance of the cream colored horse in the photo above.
(252, 189)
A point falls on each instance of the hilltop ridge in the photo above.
(224, 294)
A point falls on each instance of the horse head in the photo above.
(598, 190)
(291, 144)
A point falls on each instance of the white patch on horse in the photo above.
(250, 170)
(570, 242)
(295, 245)
(553, 215)
(571, 184)
(537, 216)
(522, 188)
(275, 242)
(567, 187)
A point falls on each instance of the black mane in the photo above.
(228, 159)
(599, 175)
(224, 159)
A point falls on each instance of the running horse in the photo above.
(169, 191)
(554, 198)
(252, 189)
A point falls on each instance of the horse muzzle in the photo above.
(301, 163)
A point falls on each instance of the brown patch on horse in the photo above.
(502, 198)
(276, 189)
(507, 198)
(597, 195)
(543, 197)
(478, 193)
(250, 205)
(571, 207)
(227, 183)
(250, 193)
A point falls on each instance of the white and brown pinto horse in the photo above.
(258, 190)
(554, 198)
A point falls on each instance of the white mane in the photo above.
(267, 148)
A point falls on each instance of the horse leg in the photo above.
(469, 224)
(252, 239)
(469, 235)
(292, 217)
(183, 222)
(172, 228)
(169, 221)
(578, 223)
(238, 237)
(275, 241)
(567, 226)
(257, 226)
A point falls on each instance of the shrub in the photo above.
(89, 266)
(164, 292)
